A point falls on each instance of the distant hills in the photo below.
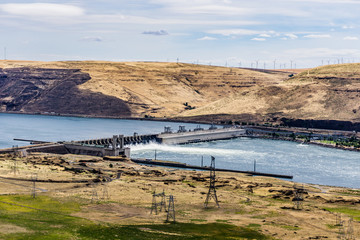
(178, 90)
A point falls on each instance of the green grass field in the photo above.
(351, 212)
(47, 218)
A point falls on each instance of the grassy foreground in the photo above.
(94, 208)
(23, 217)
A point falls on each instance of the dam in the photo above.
(117, 145)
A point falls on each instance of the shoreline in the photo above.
(108, 117)
(308, 143)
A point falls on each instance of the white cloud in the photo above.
(207, 38)
(265, 35)
(291, 35)
(213, 7)
(351, 38)
(317, 36)
(259, 39)
(225, 8)
(237, 32)
(214, 10)
(156, 33)
(41, 9)
(347, 27)
(165, 20)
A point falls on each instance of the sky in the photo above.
(235, 33)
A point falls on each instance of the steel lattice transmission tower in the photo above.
(171, 210)
(212, 190)
(298, 197)
(94, 194)
(349, 232)
(155, 204)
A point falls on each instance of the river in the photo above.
(307, 163)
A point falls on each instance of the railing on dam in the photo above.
(120, 140)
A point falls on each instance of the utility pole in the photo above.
(34, 179)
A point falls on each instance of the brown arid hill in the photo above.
(179, 90)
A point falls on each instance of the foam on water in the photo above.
(185, 149)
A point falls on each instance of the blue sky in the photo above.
(262, 33)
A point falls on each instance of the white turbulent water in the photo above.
(188, 150)
(307, 163)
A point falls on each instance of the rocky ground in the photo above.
(264, 204)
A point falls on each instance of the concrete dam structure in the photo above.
(121, 140)
(199, 135)
(117, 145)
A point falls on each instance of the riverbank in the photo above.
(259, 204)
(320, 144)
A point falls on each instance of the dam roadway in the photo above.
(212, 134)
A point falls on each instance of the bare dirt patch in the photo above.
(9, 228)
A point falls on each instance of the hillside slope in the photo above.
(330, 92)
(138, 89)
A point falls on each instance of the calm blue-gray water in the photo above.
(307, 163)
(56, 128)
